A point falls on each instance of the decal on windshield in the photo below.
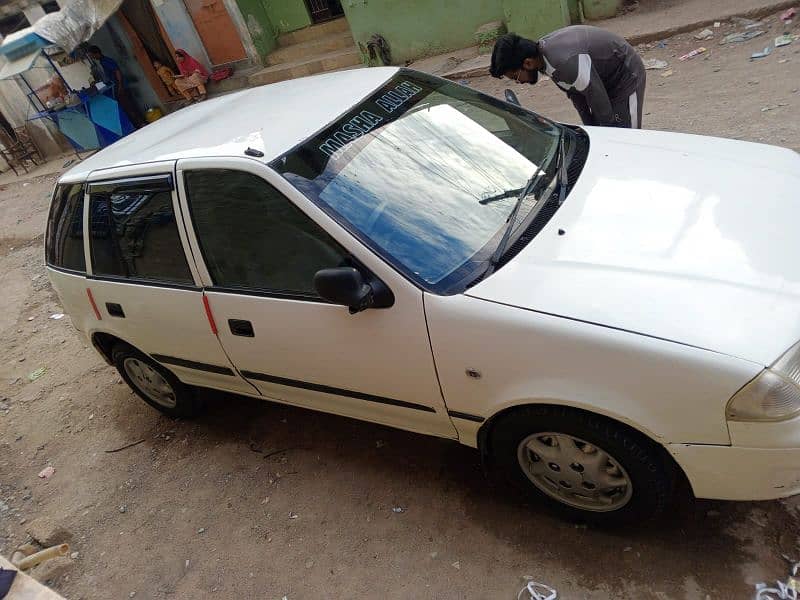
(361, 124)
(394, 99)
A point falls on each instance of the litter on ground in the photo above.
(788, 14)
(534, 590)
(34, 375)
(741, 36)
(654, 63)
(693, 53)
(706, 34)
(784, 40)
(47, 472)
(765, 52)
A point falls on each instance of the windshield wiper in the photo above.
(563, 176)
(512, 219)
(500, 196)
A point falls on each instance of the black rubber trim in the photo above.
(465, 416)
(147, 282)
(333, 390)
(65, 270)
(161, 182)
(190, 364)
(267, 294)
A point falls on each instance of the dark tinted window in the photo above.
(252, 237)
(65, 228)
(134, 234)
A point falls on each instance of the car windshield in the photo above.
(426, 172)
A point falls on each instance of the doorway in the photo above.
(324, 10)
(217, 31)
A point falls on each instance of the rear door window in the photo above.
(64, 241)
(134, 233)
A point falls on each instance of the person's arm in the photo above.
(118, 77)
(580, 104)
(580, 75)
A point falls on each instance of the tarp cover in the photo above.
(76, 22)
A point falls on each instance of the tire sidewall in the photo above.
(185, 403)
(650, 475)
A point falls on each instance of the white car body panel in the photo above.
(673, 285)
(673, 236)
(671, 392)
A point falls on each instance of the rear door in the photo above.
(142, 282)
(260, 251)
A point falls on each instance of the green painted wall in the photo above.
(287, 15)
(601, 9)
(259, 25)
(535, 18)
(417, 28)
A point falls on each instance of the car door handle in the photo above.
(115, 310)
(242, 328)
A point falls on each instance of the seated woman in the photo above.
(193, 75)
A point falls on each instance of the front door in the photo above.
(260, 252)
(216, 29)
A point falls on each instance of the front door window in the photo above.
(253, 238)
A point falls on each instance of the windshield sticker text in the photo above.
(361, 124)
(394, 99)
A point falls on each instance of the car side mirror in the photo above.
(344, 286)
(511, 97)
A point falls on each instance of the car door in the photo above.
(143, 287)
(260, 251)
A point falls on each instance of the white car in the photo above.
(600, 312)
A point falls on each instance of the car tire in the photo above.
(587, 467)
(154, 384)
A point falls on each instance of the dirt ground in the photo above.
(205, 509)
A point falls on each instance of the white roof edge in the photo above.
(273, 119)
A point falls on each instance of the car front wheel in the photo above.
(585, 465)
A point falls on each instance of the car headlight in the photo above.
(774, 395)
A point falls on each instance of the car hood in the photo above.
(686, 238)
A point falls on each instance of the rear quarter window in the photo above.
(64, 238)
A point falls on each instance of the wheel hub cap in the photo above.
(574, 472)
(150, 382)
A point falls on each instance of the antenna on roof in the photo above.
(254, 152)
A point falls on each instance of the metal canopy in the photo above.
(20, 65)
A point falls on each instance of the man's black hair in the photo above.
(95, 50)
(509, 52)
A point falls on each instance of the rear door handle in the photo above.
(115, 310)
(241, 328)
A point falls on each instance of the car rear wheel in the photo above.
(155, 384)
(586, 466)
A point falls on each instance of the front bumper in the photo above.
(734, 473)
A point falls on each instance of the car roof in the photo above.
(271, 118)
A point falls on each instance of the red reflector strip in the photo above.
(210, 315)
(94, 306)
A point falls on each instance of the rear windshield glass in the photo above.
(64, 243)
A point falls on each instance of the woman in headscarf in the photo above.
(193, 75)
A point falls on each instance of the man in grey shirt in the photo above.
(600, 72)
